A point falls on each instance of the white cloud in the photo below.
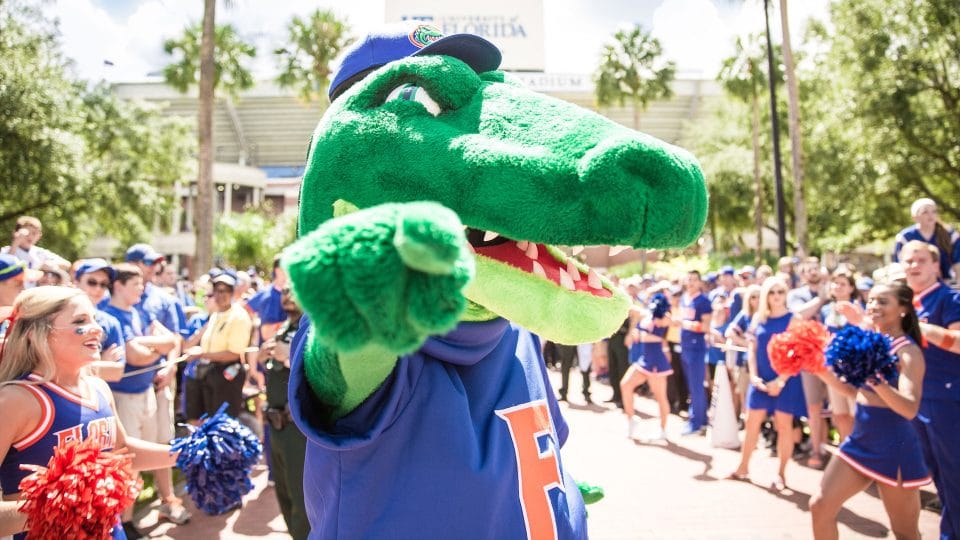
(693, 34)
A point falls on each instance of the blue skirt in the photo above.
(790, 400)
(884, 446)
(651, 359)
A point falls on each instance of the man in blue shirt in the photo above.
(938, 308)
(696, 312)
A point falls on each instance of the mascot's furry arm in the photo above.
(523, 171)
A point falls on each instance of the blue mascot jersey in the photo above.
(440, 448)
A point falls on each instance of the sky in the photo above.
(696, 34)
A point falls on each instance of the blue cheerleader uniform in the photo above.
(648, 357)
(790, 400)
(884, 445)
(66, 417)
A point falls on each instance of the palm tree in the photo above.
(313, 43)
(215, 58)
(742, 76)
(796, 148)
(631, 69)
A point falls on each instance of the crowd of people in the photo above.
(897, 435)
(173, 351)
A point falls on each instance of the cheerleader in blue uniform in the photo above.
(769, 394)
(649, 363)
(883, 446)
(47, 397)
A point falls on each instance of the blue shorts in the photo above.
(789, 400)
(884, 446)
(651, 359)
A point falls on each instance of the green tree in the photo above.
(312, 43)
(743, 77)
(796, 142)
(631, 70)
(83, 161)
(253, 237)
(212, 57)
(903, 59)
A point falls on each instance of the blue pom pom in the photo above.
(216, 460)
(659, 305)
(857, 356)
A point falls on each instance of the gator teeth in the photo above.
(593, 279)
(490, 235)
(532, 251)
(617, 249)
(566, 281)
(575, 250)
(573, 270)
(522, 245)
(538, 270)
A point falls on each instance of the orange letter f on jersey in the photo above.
(538, 472)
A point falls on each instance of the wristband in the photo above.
(948, 340)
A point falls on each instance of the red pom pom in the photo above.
(80, 494)
(798, 349)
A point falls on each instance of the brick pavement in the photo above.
(671, 490)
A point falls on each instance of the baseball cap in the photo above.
(411, 38)
(748, 269)
(864, 284)
(88, 266)
(228, 277)
(727, 271)
(11, 267)
(711, 277)
(143, 253)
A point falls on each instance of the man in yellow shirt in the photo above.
(223, 343)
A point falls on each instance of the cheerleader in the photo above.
(49, 399)
(736, 333)
(883, 446)
(769, 394)
(649, 362)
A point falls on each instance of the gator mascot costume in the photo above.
(435, 193)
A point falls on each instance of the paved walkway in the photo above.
(672, 490)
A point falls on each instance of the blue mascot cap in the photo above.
(410, 38)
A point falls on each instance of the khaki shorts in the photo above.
(814, 390)
(841, 404)
(147, 415)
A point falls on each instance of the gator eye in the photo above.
(412, 92)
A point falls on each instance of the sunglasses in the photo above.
(778, 291)
(95, 283)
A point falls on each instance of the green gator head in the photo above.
(525, 172)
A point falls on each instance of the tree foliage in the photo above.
(253, 237)
(880, 99)
(632, 70)
(231, 55)
(81, 160)
(312, 44)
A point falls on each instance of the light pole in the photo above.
(775, 121)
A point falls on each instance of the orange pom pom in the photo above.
(799, 348)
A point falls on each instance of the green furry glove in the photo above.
(376, 283)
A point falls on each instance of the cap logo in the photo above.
(424, 34)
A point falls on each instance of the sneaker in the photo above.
(657, 435)
(131, 531)
(633, 428)
(689, 430)
(174, 512)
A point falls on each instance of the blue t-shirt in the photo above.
(267, 304)
(131, 326)
(112, 333)
(437, 451)
(156, 305)
(913, 233)
(193, 326)
(939, 305)
(693, 309)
